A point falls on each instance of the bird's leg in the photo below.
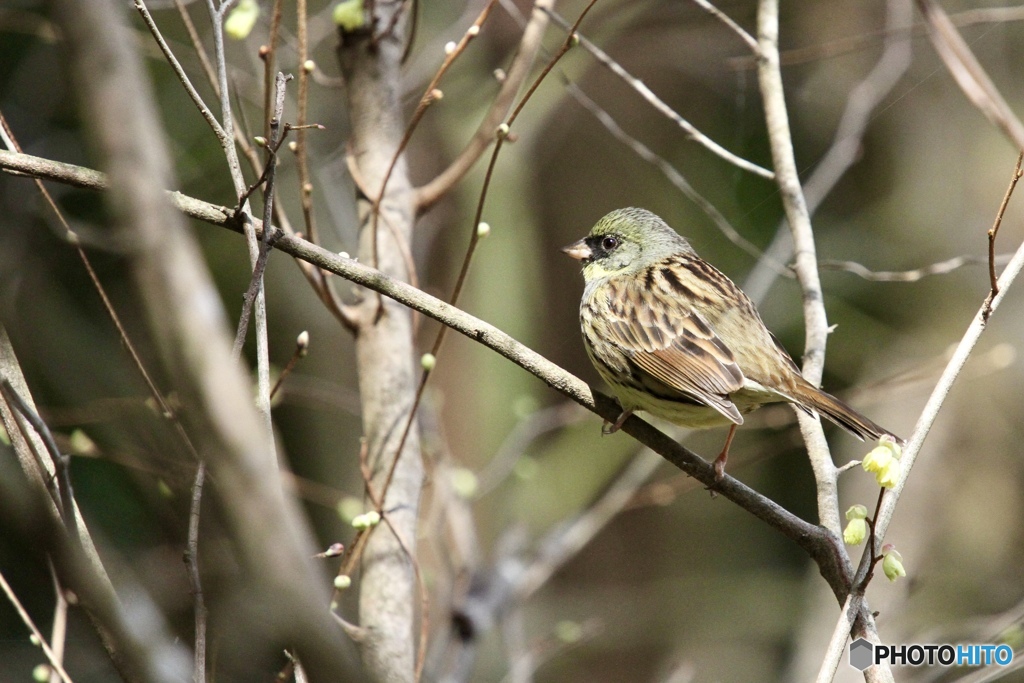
(719, 463)
(607, 429)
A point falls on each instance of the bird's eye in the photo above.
(610, 242)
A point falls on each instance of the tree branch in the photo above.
(823, 546)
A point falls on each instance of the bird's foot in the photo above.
(719, 465)
(607, 428)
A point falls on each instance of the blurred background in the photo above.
(677, 586)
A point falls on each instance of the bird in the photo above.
(675, 337)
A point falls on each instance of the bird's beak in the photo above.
(578, 250)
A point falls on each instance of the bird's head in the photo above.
(624, 242)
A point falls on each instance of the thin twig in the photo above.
(269, 55)
(197, 44)
(217, 14)
(301, 349)
(940, 268)
(428, 194)
(301, 152)
(727, 20)
(61, 461)
(59, 630)
(993, 282)
(27, 620)
(192, 563)
(179, 72)
(430, 95)
(655, 101)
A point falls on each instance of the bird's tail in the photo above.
(844, 416)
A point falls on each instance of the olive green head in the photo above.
(624, 242)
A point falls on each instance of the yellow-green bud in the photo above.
(41, 673)
(450, 46)
(464, 482)
(293, 146)
(349, 15)
(473, 30)
(5, 439)
(502, 131)
(366, 520)
(890, 443)
(260, 141)
(342, 581)
(428, 361)
(889, 475)
(483, 230)
(242, 19)
(302, 342)
(892, 563)
(34, 639)
(574, 39)
(857, 512)
(309, 66)
(81, 444)
(855, 532)
(164, 489)
(877, 460)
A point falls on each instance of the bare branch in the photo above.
(940, 268)
(428, 194)
(179, 72)
(192, 564)
(994, 230)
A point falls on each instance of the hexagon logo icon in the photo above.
(861, 654)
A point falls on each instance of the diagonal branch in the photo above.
(823, 546)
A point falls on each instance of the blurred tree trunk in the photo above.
(384, 346)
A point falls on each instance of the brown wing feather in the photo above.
(653, 321)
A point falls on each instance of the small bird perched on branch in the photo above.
(674, 336)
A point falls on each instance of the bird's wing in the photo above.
(666, 338)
